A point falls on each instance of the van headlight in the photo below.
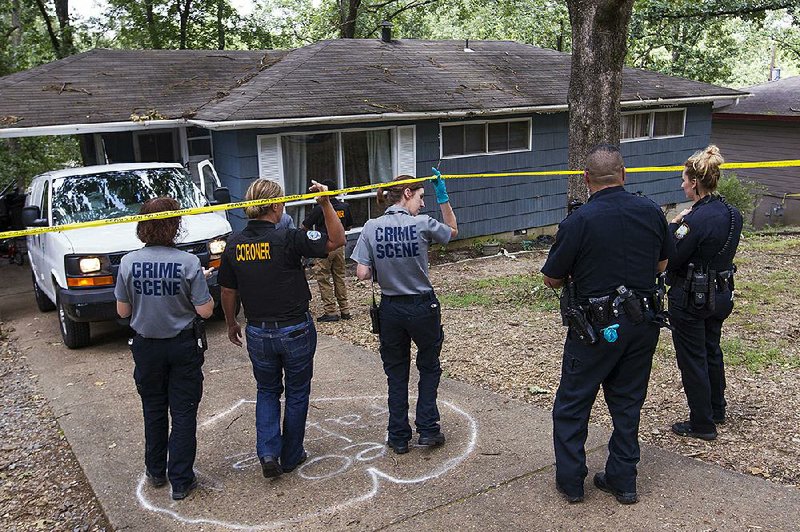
(217, 246)
(89, 264)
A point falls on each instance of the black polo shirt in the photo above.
(703, 234)
(265, 265)
(617, 238)
(316, 219)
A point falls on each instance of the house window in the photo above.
(652, 124)
(482, 138)
(348, 158)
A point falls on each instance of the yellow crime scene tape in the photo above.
(364, 188)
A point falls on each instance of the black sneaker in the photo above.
(623, 497)
(685, 429)
(346, 316)
(571, 498)
(398, 448)
(432, 440)
(303, 458)
(155, 480)
(328, 317)
(180, 494)
(270, 467)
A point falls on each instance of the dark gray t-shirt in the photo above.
(162, 285)
(395, 246)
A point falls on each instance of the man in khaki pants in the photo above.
(334, 264)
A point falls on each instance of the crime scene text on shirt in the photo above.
(396, 242)
(157, 278)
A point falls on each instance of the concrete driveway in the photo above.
(495, 471)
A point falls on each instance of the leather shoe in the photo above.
(328, 317)
(303, 458)
(398, 448)
(623, 497)
(685, 429)
(270, 467)
(570, 497)
(180, 494)
(431, 441)
(155, 480)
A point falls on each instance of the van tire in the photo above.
(42, 301)
(74, 333)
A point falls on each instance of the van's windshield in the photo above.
(121, 193)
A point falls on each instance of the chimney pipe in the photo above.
(386, 31)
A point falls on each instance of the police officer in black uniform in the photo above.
(701, 294)
(612, 249)
(263, 266)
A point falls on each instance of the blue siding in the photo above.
(486, 206)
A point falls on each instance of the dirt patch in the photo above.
(503, 333)
(42, 486)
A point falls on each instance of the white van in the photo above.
(74, 271)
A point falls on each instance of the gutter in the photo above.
(108, 127)
(77, 129)
(390, 117)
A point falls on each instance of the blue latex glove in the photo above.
(440, 188)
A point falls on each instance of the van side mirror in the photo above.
(222, 195)
(32, 217)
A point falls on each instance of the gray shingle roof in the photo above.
(336, 77)
(772, 99)
(109, 85)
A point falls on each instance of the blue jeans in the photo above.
(281, 356)
(169, 379)
(416, 318)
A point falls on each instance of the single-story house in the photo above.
(765, 126)
(360, 111)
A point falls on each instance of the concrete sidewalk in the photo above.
(495, 471)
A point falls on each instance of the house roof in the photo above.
(103, 86)
(343, 78)
(771, 100)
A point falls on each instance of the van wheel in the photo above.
(74, 333)
(42, 301)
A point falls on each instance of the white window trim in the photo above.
(442, 156)
(652, 113)
(340, 160)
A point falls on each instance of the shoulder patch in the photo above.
(313, 235)
(682, 231)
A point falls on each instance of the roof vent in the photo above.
(466, 47)
(386, 31)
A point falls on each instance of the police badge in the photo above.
(314, 235)
(682, 231)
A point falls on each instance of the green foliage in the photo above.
(741, 193)
(21, 159)
(756, 356)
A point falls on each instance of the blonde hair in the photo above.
(704, 167)
(261, 189)
(393, 194)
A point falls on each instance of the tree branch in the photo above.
(722, 11)
(50, 31)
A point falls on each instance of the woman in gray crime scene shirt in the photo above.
(394, 249)
(163, 289)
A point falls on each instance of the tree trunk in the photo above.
(65, 29)
(152, 31)
(348, 11)
(221, 24)
(599, 44)
(184, 14)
